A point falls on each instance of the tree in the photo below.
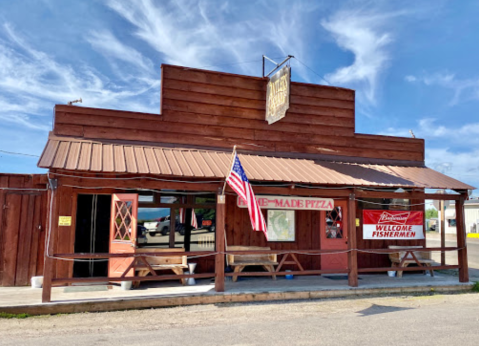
(431, 213)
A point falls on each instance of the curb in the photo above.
(217, 298)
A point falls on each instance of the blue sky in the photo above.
(413, 64)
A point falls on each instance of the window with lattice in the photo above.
(123, 220)
(334, 223)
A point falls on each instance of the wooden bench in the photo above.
(402, 259)
(239, 262)
(174, 263)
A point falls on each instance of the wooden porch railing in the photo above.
(193, 254)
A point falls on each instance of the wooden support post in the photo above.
(352, 243)
(220, 243)
(172, 227)
(49, 264)
(443, 232)
(461, 241)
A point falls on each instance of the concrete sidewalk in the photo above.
(162, 294)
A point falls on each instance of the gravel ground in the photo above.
(436, 319)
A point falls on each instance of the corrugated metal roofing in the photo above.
(81, 155)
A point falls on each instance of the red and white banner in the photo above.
(393, 224)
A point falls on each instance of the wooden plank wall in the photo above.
(220, 110)
(64, 241)
(22, 228)
(238, 232)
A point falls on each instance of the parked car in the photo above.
(163, 226)
(208, 225)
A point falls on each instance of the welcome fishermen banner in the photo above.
(390, 224)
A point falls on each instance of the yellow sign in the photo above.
(277, 95)
(65, 221)
(357, 222)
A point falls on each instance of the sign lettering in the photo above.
(295, 203)
(277, 95)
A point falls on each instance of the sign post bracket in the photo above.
(274, 62)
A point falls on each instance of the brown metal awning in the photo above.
(98, 157)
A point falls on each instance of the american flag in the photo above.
(194, 221)
(238, 181)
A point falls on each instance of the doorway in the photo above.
(92, 234)
(334, 236)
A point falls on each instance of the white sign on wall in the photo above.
(287, 202)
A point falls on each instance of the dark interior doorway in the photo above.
(92, 233)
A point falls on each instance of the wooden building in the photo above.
(175, 162)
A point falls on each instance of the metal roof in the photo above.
(93, 156)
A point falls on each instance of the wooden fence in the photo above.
(23, 201)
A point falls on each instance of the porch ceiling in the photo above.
(136, 158)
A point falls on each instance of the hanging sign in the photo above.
(277, 95)
(393, 224)
(295, 203)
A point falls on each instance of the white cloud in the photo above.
(205, 34)
(449, 150)
(365, 35)
(463, 89)
(182, 31)
(410, 78)
(32, 81)
(428, 128)
(462, 165)
(107, 44)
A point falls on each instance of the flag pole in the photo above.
(232, 162)
(223, 193)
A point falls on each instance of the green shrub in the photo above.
(475, 287)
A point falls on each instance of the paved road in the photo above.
(430, 320)
(434, 240)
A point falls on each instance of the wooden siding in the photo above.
(238, 232)
(22, 228)
(206, 108)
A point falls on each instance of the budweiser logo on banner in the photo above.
(396, 219)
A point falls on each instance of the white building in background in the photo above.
(471, 215)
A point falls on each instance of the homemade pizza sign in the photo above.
(296, 203)
(391, 224)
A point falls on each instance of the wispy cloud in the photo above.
(449, 149)
(462, 165)
(213, 34)
(463, 89)
(107, 44)
(431, 129)
(364, 33)
(32, 81)
(181, 31)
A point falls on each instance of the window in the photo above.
(451, 222)
(154, 227)
(334, 223)
(194, 225)
(384, 203)
(123, 220)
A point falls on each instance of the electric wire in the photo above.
(309, 68)
(16, 153)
